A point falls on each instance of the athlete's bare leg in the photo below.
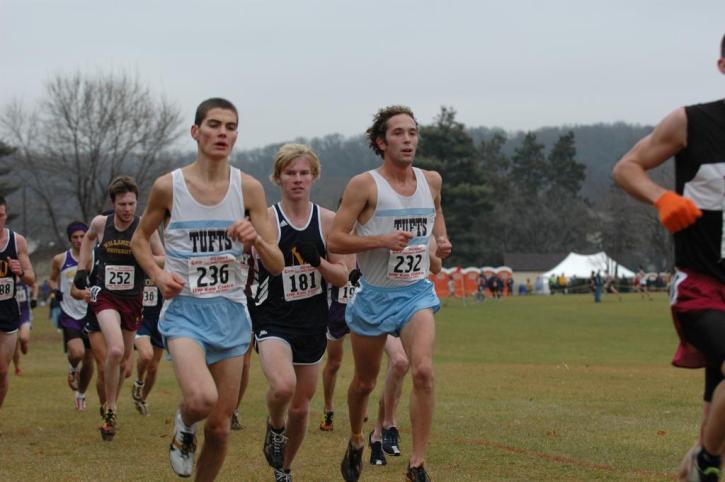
(98, 347)
(118, 350)
(418, 337)
(397, 368)
(367, 352)
(209, 392)
(8, 342)
(299, 410)
(276, 359)
(329, 372)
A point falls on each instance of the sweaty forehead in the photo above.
(221, 115)
(401, 120)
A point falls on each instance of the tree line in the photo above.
(545, 191)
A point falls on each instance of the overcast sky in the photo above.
(310, 68)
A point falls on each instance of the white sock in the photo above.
(181, 426)
(80, 395)
(71, 368)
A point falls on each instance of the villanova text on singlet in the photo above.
(700, 176)
(118, 272)
(72, 307)
(394, 212)
(197, 246)
(296, 299)
(9, 310)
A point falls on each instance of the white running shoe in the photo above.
(181, 453)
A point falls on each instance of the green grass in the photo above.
(530, 388)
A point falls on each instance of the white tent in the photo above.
(582, 265)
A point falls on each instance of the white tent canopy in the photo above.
(582, 265)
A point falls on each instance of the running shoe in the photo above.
(80, 402)
(327, 423)
(377, 456)
(273, 448)
(137, 391)
(696, 474)
(417, 474)
(141, 407)
(181, 453)
(282, 476)
(391, 441)
(108, 429)
(236, 424)
(351, 465)
(73, 379)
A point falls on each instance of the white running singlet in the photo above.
(197, 246)
(394, 212)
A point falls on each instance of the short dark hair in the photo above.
(722, 47)
(213, 103)
(122, 185)
(3, 202)
(380, 124)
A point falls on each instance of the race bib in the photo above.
(119, 277)
(150, 296)
(21, 296)
(300, 282)
(345, 293)
(408, 263)
(6, 288)
(214, 275)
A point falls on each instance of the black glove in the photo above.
(309, 253)
(354, 277)
(33, 304)
(80, 280)
(58, 295)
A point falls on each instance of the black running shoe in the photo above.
(417, 474)
(273, 448)
(391, 441)
(282, 476)
(377, 456)
(351, 465)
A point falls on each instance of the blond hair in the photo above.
(288, 153)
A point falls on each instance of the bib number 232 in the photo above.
(408, 263)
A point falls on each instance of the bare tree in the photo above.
(86, 130)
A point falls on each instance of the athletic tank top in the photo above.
(72, 307)
(118, 272)
(9, 310)
(197, 246)
(152, 300)
(416, 213)
(700, 176)
(297, 299)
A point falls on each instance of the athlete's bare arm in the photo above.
(358, 204)
(157, 207)
(53, 280)
(443, 244)
(92, 236)
(333, 268)
(23, 265)
(436, 264)
(667, 139)
(157, 249)
(258, 230)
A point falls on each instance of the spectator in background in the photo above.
(510, 286)
(598, 284)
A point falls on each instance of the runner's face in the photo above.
(76, 238)
(217, 133)
(296, 179)
(125, 206)
(3, 216)
(401, 139)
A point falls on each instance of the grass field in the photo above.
(531, 388)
